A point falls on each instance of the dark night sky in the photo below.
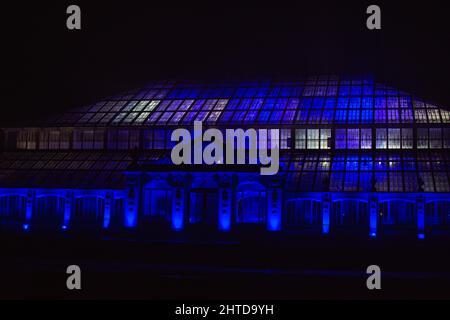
(125, 44)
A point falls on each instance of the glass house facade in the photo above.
(354, 155)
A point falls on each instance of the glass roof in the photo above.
(314, 100)
(393, 172)
(85, 170)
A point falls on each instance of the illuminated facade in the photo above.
(355, 155)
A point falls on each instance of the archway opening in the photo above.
(437, 214)
(12, 209)
(251, 204)
(157, 205)
(303, 213)
(350, 213)
(49, 211)
(203, 206)
(88, 212)
(398, 213)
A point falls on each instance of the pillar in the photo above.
(225, 204)
(132, 200)
(326, 208)
(107, 210)
(274, 207)
(420, 202)
(68, 200)
(373, 216)
(178, 207)
(30, 200)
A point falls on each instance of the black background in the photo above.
(126, 43)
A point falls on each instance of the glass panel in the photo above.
(381, 139)
(300, 139)
(189, 118)
(394, 138)
(341, 116)
(381, 181)
(313, 139)
(380, 115)
(327, 116)
(341, 139)
(407, 115)
(447, 138)
(420, 116)
(353, 139)
(165, 117)
(289, 116)
(325, 138)
(366, 138)
(251, 116)
(422, 138)
(366, 115)
(177, 117)
(433, 116)
(395, 181)
(393, 115)
(407, 138)
(435, 138)
(285, 139)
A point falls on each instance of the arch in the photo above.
(157, 201)
(204, 182)
(347, 212)
(251, 203)
(12, 208)
(13, 193)
(87, 211)
(157, 184)
(437, 199)
(204, 206)
(250, 185)
(347, 198)
(49, 210)
(88, 195)
(49, 194)
(302, 212)
(437, 212)
(407, 200)
(398, 211)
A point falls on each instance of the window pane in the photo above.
(435, 138)
(285, 139)
(313, 138)
(366, 138)
(394, 138)
(341, 139)
(407, 138)
(420, 115)
(300, 139)
(433, 116)
(353, 139)
(381, 139)
(422, 138)
(325, 138)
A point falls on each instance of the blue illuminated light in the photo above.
(373, 234)
(26, 226)
(177, 223)
(274, 223)
(224, 223)
(64, 227)
(421, 236)
(130, 219)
